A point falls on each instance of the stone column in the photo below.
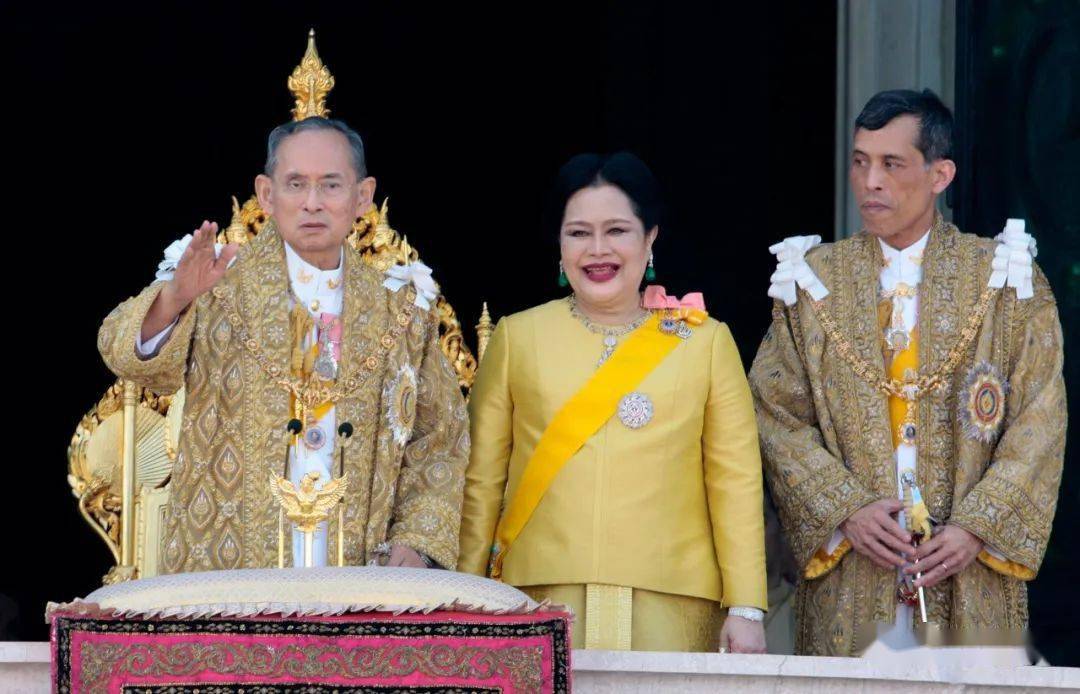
(886, 44)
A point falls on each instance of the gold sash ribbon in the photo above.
(576, 422)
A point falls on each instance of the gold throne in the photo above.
(122, 452)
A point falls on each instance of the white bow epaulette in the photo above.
(792, 270)
(1012, 259)
(418, 275)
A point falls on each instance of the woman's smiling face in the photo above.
(604, 246)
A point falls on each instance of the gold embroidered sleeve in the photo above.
(491, 414)
(813, 490)
(1012, 507)
(427, 515)
(162, 373)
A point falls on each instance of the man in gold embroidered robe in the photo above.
(232, 332)
(986, 447)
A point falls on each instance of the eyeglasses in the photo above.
(328, 190)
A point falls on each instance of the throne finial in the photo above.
(310, 82)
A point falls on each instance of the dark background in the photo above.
(1018, 121)
(128, 126)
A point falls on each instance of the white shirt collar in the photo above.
(904, 265)
(309, 283)
(304, 273)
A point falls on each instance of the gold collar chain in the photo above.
(313, 391)
(908, 390)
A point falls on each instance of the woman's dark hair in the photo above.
(623, 170)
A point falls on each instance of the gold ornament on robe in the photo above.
(308, 506)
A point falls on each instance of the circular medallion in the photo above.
(387, 341)
(982, 406)
(908, 430)
(314, 438)
(899, 340)
(401, 412)
(668, 326)
(635, 410)
(372, 363)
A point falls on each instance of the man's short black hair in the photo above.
(935, 120)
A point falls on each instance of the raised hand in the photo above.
(875, 534)
(197, 271)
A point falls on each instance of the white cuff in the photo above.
(834, 542)
(150, 347)
(751, 613)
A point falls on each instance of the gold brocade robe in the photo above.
(826, 436)
(406, 458)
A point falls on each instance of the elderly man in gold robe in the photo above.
(294, 325)
(911, 378)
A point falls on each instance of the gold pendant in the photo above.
(908, 430)
(333, 284)
(303, 277)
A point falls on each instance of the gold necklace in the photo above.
(910, 389)
(611, 333)
(313, 390)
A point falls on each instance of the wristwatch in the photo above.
(751, 613)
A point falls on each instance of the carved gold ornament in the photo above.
(310, 83)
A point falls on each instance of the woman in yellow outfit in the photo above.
(615, 465)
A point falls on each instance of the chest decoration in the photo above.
(400, 396)
(635, 410)
(982, 402)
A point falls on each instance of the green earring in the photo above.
(563, 282)
(650, 272)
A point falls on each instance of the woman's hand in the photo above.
(741, 635)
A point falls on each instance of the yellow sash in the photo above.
(902, 361)
(576, 422)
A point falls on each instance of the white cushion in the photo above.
(320, 591)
